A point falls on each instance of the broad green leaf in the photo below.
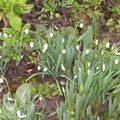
(23, 92)
(15, 22)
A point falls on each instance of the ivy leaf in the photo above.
(15, 22)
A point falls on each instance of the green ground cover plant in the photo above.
(10, 11)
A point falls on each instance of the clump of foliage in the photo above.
(20, 107)
(95, 84)
(45, 90)
(11, 10)
(13, 43)
(57, 50)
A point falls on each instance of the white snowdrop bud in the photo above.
(75, 76)
(38, 67)
(26, 31)
(10, 35)
(96, 42)
(63, 40)
(107, 45)
(31, 44)
(10, 99)
(1, 80)
(87, 51)
(103, 67)
(81, 25)
(45, 69)
(63, 51)
(62, 67)
(45, 47)
(5, 35)
(51, 34)
(116, 61)
(40, 98)
(89, 64)
(77, 47)
(88, 72)
(19, 115)
(97, 68)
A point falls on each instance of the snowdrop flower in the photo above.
(63, 51)
(5, 35)
(10, 99)
(62, 67)
(107, 45)
(81, 25)
(26, 31)
(98, 118)
(10, 35)
(0, 57)
(88, 72)
(77, 47)
(45, 69)
(1, 80)
(87, 51)
(116, 61)
(75, 76)
(97, 68)
(63, 89)
(51, 34)
(45, 47)
(79, 69)
(103, 67)
(96, 42)
(0, 34)
(89, 64)
(40, 98)
(63, 40)
(19, 115)
(38, 67)
(31, 44)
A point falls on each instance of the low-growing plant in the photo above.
(57, 50)
(13, 43)
(96, 78)
(45, 90)
(22, 106)
(10, 10)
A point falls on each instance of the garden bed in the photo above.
(74, 77)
